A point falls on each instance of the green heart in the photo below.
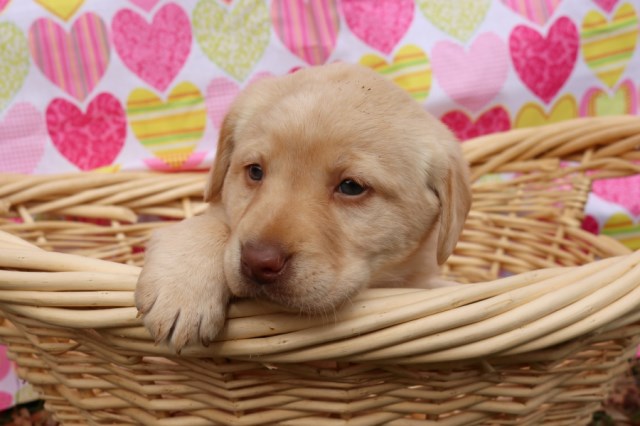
(233, 38)
(14, 61)
(617, 104)
(458, 18)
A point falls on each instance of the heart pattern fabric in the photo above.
(170, 129)
(464, 127)
(608, 45)
(537, 11)
(545, 63)
(22, 139)
(409, 69)
(14, 61)
(472, 87)
(459, 19)
(623, 100)
(155, 52)
(534, 114)
(75, 61)
(381, 24)
(62, 9)
(91, 139)
(308, 29)
(223, 34)
(145, 5)
(3, 4)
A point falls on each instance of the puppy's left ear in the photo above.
(454, 191)
(218, 173)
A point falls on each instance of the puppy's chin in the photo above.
(315, 291)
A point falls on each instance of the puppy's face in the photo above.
(333, 179)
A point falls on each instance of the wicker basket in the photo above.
(541, 345)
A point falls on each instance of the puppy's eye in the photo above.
(350, 187)
(255, 172)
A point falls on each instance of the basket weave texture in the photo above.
(542, 345)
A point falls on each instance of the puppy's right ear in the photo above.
(213, 188)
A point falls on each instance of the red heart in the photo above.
(156, 52)
(88, 140)
(494, 120)
(545, 64)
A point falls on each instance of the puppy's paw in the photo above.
(182, 292)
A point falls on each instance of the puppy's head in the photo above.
(334, 179)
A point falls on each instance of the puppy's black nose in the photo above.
(263, 262)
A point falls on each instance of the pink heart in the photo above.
(309, 29)
(545, 64)
(493, 120)
(88, 140)
(220, 94)
(145, 5)
(472, 86)
(624, 191)
(537, 11)
(606, 5)
(74, 62)
(3, 4)
(22, 139)
(381, 24)
(156, 52)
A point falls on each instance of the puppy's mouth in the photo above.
(293, 294)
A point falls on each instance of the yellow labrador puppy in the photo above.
(325, 182)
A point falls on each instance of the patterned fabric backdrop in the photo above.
(144, 84)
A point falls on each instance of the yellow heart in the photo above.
(607, 46)
(171, 130)
(623, 228)
(63, 9)
(532, 114)
(410, 69)
(623, 101)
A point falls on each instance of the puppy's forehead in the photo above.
(324, 113)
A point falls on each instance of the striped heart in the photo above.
(537, 11)
(74, 62)
(309, 29)
(624, 100)
(607, 46)
(625, 229)
(410, 70)
(171, 130)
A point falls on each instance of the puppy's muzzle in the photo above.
(262, 262)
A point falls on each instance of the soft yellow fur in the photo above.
(309, 131)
